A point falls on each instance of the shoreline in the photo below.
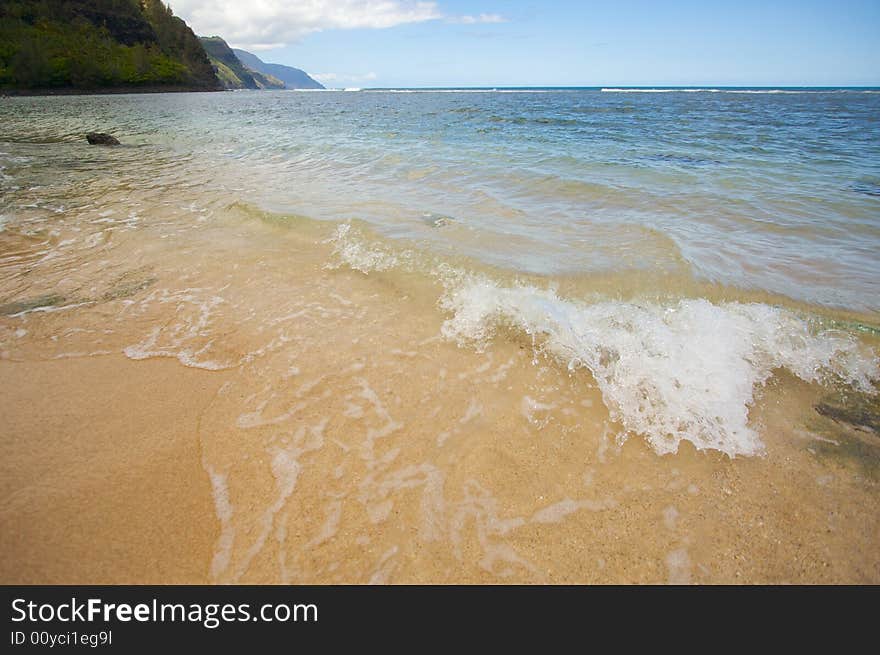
(113, 90)
(196, 387)
(351, 444)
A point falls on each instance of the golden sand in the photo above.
(102, 478)
(218, 405)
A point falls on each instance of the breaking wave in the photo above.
(681, 371)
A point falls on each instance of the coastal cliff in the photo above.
(233, 74)
(292, 78)
(63, 45)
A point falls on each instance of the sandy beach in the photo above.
(98, 489)
(351, 444)
(435, 346)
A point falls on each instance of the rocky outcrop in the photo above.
(101, 139)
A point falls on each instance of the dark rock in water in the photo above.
(857, 412)
(101, 139)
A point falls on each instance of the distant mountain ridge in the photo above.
(231, 72)
(293, 78)
(94, 44)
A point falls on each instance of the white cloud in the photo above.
(329, 79)
(264, 24)
(473, 20)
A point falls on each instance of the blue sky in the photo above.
(565, 43)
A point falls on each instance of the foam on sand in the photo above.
(685, 370)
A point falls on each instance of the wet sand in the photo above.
(264, 418)
(102, 481)
(99, 488)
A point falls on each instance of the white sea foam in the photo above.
(558, 511)
(642, 90)
(678, 565)
(741, 91)
(180, 339)
(687, 370)
(529, 407)
(517, 91)
(357, 254)
(47, 309)
(223, 507)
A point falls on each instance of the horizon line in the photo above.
(619, 86)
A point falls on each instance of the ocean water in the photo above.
(756, 189)
(416, 296)
(673, 205)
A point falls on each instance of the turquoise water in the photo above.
(769, 190)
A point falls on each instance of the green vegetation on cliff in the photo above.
(290, 77)
(84, 44)
(232, 73)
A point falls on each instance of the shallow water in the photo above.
(530, 336)
(776, 192)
